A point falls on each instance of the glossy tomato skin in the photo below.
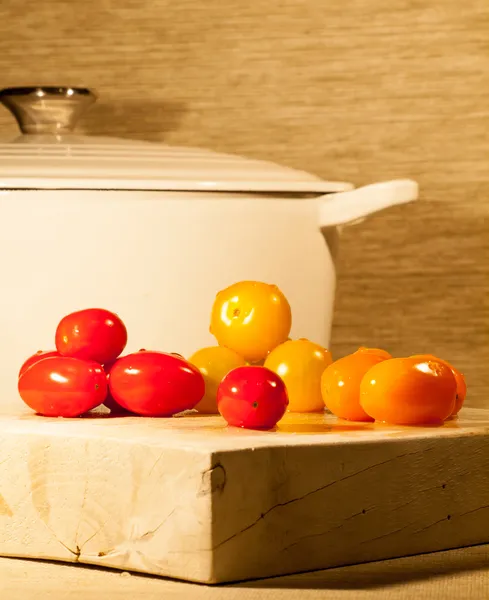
(39, 355)
(61, 386)
(155, 384)
(113, 406)
(91, 334)
(459, 378)
(251, 318)
(214, 362)
(340, 385)
(409, 391)
(300, 364)
(376, 351)
(109, 402)
(252, 397)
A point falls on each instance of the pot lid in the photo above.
(49, 156)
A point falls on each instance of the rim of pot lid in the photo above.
(49, 156)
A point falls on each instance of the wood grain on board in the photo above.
(360, 91)
(172, 497)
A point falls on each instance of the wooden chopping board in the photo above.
(193, 499)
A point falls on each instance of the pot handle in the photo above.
(348, 207)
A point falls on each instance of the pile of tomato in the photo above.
(86, 370)
(252, 376)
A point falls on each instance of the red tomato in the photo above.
(91, 334)
(109, 401)
(252, 397)
(61, 386)
(113, 406)
(155, 384)
(39, 355)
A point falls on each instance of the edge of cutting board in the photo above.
(172, 497)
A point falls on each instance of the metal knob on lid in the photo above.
(47, 110)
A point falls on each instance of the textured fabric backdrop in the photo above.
(361, 90)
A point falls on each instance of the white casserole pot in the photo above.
(152, 232)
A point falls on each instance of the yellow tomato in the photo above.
(214, 363)
(301, 363)
(251, 318)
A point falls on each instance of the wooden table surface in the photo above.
(453, 575)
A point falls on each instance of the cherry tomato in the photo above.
(61, 386)
(409, 391)
(300, 364)
(377, 351)
(252, 397)
(251, 318)
(93, 334)
(340, 385)
(109, 401)
(214, 363)
(155, 384)
(459, 378)
(39, 355)
(113, 406)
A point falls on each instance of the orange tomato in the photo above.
(214, 363)
(340, 385)
(377, 351)
(251, 318)
(459, 378)
(409, 391)
(300, 364)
